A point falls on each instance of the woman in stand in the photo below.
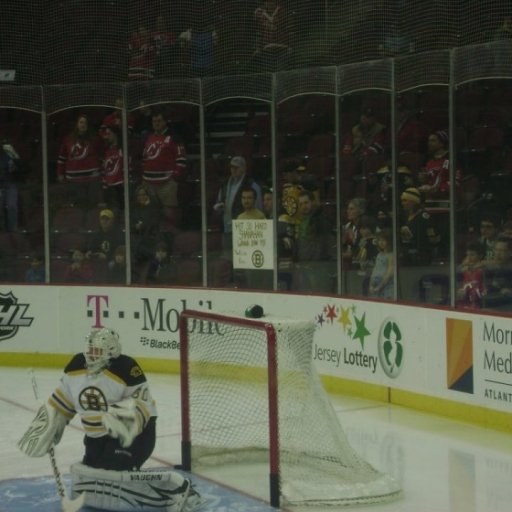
(79, 163)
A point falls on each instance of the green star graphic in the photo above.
(361, 330)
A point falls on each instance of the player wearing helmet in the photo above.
(110, 393)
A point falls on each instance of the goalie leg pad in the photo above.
(130, 490)
(45, 431)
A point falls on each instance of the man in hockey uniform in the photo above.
(110, 393)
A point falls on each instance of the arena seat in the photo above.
(67, 218)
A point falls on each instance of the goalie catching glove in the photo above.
(123, 422)
(44, 432)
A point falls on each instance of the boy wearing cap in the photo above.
(103, 243)
(418, 235)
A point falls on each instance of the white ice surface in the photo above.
(443, 465)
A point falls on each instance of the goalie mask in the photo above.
(101, 346)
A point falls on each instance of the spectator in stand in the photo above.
(115, 118)
(229, 198)
(296, 176)
(489, 231)
(142, 52)
(10, 172)
(268, 203)
(472, 289)
(79, 164)
(296, 181)
(314, 248)
(164, 41)
(366, 138)
(116, 269)
(384, 218)
(252, 278)
(36, 272)
(367, 250)
(164, 162)
(272, 35)
(404, 179)
(250, 212)
(290, 193)
(418, 234)
(382, 276)
(112, 169)
(200, 41)
(288, 220)
(435, 178)
(103, 243)
(79, 270)
(498, 275)
(161, 268)
(144, 220)
(411, 133)
(351, 235)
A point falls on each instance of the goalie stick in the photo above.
(67, 504)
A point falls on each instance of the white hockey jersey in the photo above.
(90, 395)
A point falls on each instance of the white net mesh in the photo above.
(209, 66)
(229, 414)
(76, 41)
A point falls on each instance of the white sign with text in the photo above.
(253, 244)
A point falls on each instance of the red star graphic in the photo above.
(331, 313)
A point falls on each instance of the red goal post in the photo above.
(250, 394)
(270, 334)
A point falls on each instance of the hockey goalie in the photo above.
(110, 393)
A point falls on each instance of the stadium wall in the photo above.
(447, 362)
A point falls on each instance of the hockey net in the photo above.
(250, 394)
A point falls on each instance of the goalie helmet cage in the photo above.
(250, 393)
